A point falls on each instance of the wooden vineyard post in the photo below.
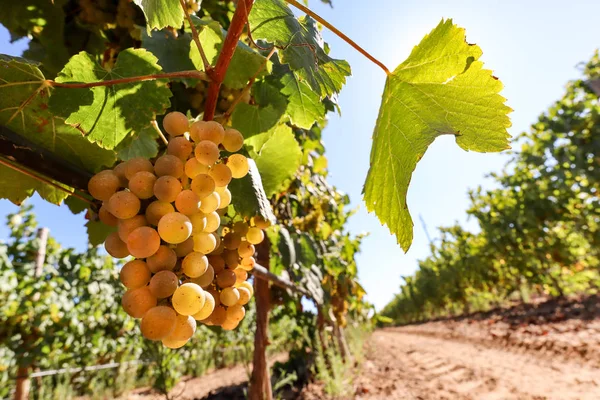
(260, 382)
(23, 385)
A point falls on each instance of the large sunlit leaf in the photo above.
(440, 89)
(161, 13)
(305, 107)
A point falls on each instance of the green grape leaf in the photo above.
(304, 107)
(75, 204)
(277, 155)
(143, 144)
(98, 232)
(245, 63)
(441, 88)
(274, 22)
(161, 13)
(24, 110)
(252, 120)
(248, 196)
(16, 187)
(286, 248)
(172, 52)
(107, 114)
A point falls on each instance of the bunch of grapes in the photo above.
(188, 267)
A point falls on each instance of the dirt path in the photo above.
(402, 364)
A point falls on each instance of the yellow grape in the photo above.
(168, 165)
(260, 222)
(202, 185)
(210, 203)
(173, 344)
(103, 185)
(218, 316)
(198, 222)
(241, 227)
(106, 217)
(226, 278)
(142, 184)
(248, 286)
(143, 242)
(184, 328)
(221, 174)
(124, 204)
(229, 324)
(163, 284)
(207, 309)
(206, 152)
(245, 295)
(136, 302)
(231, 258)
(240, 276)
(232, 140)
(126, 226)
(206, 278)
(158, 322)
(163, 260)
(119, 170)
(156, 210)
(219, 249)
(207, 130)
(232, 240)
(185, 248)
(225, 199)
(247, 263)
(194, 264)
(176, 123)
(194, 168)
(246, 249)
(134, 274)
(167, 188)
(115, 246)
(188, 299)
(175, 228)
(180, 147)
(255, 235)
(204, 242)
(213, 221)
(187, 202)
(236, 313)
(238, 164)
(217, 263)
(136, 165)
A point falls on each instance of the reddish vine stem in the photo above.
(196, 37)
(240, 17)
(167, 75)
(340, 34)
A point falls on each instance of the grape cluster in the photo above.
(188, 266)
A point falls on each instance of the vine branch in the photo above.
(167, 75)
(340, 34)
(207, 67)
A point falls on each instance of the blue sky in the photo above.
(532, 46)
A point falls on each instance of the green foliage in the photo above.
(440, 89)
(161, 13)
(248, 196)
(144, 144)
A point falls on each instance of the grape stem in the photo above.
(160, 133)
(238, 22)
(167, 75)
(207, 67)
(339, 33)
(249, 85)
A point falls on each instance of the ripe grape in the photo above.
(134, 274)
(168, 165)
(119, 170)
(188, 299)
(126, 226)
(163, 284)
(194, 264)
(173, 344)
(187, 202)
(218, 316)
(198, 222)
(221, 174)
(156, 210)
(136, 302)
(232, 140)
(206, 278)
(142, 184)
(106, 217)
(232, 240)
(207, 309)
(143, 242)
(124, 204)
(255, 235)
(231, 258)
(229, 324)
(175, 228)
(185, 248)
(163, 260)
(260, 222)
(241, 227)
(176, 123)
(204, 242)
(136, 165)
(225, 199)
(167, 188)
(226, 278)
(240, 276)
(213, 220)
(194, 168)
(248, 286)
(180, 147)
(245, 295)
(202, 185)
(207, 130)
(210, 203)
(248, 263)
(217, 263)
(158, 322)
(238, 164)
(103, 185)
(206, 152)
(236, 313)
(246, 249)
(115, 246)
(185, 327)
